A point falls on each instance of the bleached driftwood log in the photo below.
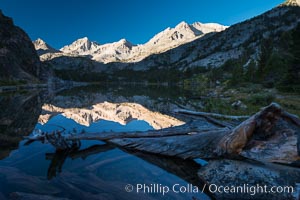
(269, 135)
(215, 115)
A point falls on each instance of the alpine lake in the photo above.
(99, 170)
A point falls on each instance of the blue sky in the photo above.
(60, 22)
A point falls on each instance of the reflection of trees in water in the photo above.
(18, 117)
(156, 98)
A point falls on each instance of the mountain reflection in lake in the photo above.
(96, 170)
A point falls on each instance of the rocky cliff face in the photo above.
(240, 40)
(18, 58)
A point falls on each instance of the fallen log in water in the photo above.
(269, 135)
(215, 115)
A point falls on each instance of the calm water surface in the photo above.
(97, 170)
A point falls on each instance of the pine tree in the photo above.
(265, 54)
(251, 72)
(291, 82)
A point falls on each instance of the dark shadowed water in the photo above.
(97, 170)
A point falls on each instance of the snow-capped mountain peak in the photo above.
(125, 51)
(209, 27)
(82, 46)
(291, 3)
(182, 25)
(39, 42)
(42, 47)
(180, 34)
(125, 42)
